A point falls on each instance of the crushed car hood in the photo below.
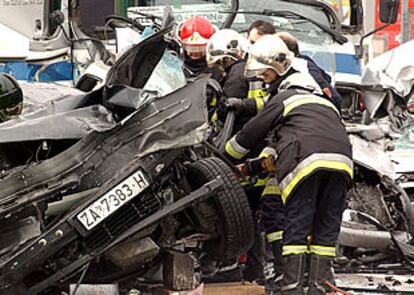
(55, 112)
(393, 69)
(52, 111)
(170, 122)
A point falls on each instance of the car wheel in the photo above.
(227, 213)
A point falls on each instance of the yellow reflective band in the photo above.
(271, 190)
(244, 183)
(274, 236)
(336, 165)
(213, 102)
(295, 249)
(267, 151)
(264, 154)
(235, 150)
(232, 152)
(323, 250)
(214, 117)
(259, 103)
(261, 182)
(298, 101)
(256, 93)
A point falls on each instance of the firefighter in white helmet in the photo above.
(227, 50)
(313, 166)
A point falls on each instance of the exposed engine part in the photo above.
(16, 233)
(369, 199)
(133, 252)
(353, 235)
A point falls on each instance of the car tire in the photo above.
(227, 213)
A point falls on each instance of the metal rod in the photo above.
(405, 22)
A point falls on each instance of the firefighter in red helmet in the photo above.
(194, 34)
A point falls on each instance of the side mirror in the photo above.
(356, 15)
(388, 11)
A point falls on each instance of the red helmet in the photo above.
(195, 33)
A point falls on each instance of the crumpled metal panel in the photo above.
(128, 98)
(56, 112)
(62, 125)
(16, 233)
(135, 66)
(174, 121)
(372, 156)
(39, 95)
(393, 69)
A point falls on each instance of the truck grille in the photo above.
(131, 213)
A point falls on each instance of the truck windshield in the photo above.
(304, 29)
(312, 25)
(183, 9)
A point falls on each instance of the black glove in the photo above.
(236, 104)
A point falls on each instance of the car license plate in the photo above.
(113, 200)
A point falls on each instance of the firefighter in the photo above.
(314, 162)
(11, 98)
(194, 35)
(271, 206)
(320, 76)
(226, 50)
(257, 89)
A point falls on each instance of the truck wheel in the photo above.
(227, 213)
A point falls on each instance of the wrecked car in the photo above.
(120, 177)
(388, 87)
(378, 226)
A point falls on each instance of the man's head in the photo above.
(269, 58)
(11, 97)
(290, 41)
(225, 48)
(194, 34)
(258, 29)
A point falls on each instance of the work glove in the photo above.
(235, 104)
(258, 165)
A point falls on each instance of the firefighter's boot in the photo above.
(272, 287)
(293, 274)
(320, 273)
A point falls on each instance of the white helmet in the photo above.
(269, 52)
(226, 44)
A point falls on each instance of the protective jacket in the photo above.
(305, 129)
(235, 84)
(193, 68)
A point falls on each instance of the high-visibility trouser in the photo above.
(272, 211)
(315, 208)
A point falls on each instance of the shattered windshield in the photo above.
(183, 9)
(303, 29)
(167, 76)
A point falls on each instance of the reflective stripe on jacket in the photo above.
(307, 133)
